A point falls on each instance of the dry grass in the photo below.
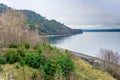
(88, 72)
(10, 72)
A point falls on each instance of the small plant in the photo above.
(12, 56)
(66, 63)
(17, 66)
(22, 62)
(2, 60)
(12, 45)
(27, 45)
(21, 51)
(39, 47)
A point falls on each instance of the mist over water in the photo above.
(89, 42)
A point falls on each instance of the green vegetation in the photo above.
(2, 59)
(27, 45)
(12, 45)
(85, 71)
(40, 58)
(48, 63)
(44, 26)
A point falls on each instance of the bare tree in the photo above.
(110, 56)
(13, 18)
(13, 29)
(110, 62)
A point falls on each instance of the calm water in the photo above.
(89, 42)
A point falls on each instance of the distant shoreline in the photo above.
(58, 35)
(101, 30)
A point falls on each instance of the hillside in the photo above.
(42, 25)
(46, 63)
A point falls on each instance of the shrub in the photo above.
(12, 45)
(66, 64)
(21, 51)
(39, 47)
(49, 69)
(22, 62)
(12, 56)
(33, 60)
(2, 60)
(27, 45)
(61, 65)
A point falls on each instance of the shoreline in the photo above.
(53, 35)
(90, 59)
(58, 35)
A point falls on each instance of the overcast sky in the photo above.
(74, 13)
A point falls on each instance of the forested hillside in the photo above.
(42, 25)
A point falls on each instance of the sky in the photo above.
(86, 14)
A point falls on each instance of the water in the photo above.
(89, 42)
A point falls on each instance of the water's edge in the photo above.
(92, 60)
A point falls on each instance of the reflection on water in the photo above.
(57, 39)
(88, 43)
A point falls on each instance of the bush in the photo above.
(66, 64)
(12, 45)
(39, 47)
(12, 56)
(2, 60)
(33, 60)
(27, 45)
(21, 51)
(22, 62)
(49, 69)
(61, 65)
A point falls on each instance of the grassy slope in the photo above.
(89, 72)
(21, 73)
(84, 71)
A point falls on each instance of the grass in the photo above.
(20, 73)
(83, 70)
(89, 72)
